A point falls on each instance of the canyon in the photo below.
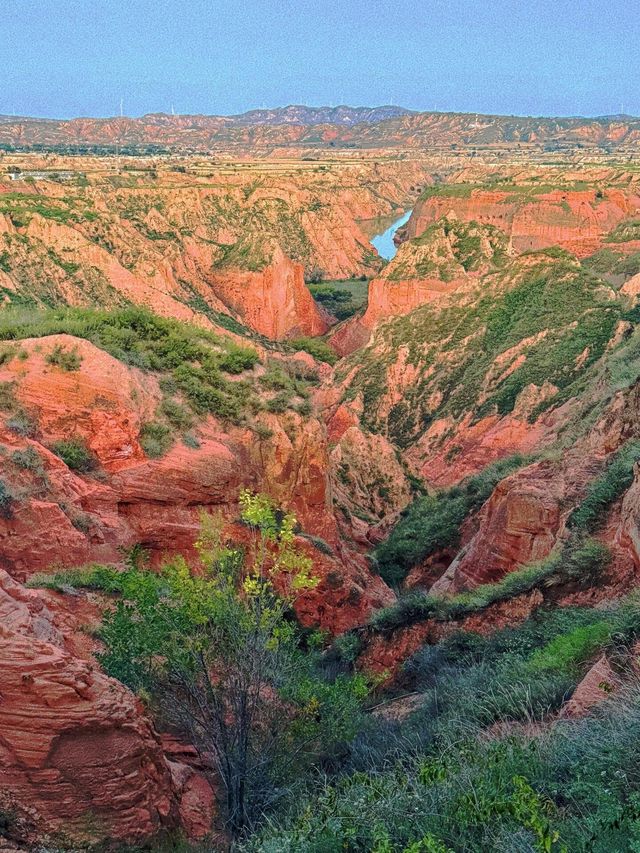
(167, 340)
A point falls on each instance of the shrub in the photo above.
(225, 665)
(75, 454)
(22, 424)
(7, 396)
(433, 522)
(6, 502)
(155, 439)
(6, 354)
(30, 460)
(316, 347)
(189, 439)
(607, 488)
(65, 359)
(236, 359)
(278, 404)
(178, 415)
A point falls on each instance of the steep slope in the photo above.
(533, 215)
(195, 249)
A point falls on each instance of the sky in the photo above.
(66, 58)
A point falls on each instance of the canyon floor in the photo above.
(455, 429)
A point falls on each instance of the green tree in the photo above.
(218, 658)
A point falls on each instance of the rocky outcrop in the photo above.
(62, 518)
(76, 749)
(575, 220)
(274, 302)
(596, 686)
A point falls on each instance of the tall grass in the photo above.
(432, 522)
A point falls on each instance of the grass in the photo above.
(432, 523)
(555, 317)
(343, 299)
(580, 562)
(316, 347)
(75, 454)
(624, 232)
(569, 651)
(196, 359)
(65, 359)
(439, 775)
(602, 492)
(93, 577)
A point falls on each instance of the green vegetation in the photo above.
(439, 781)
(569, 651)
(624, 232)
(75, 454)
(6, 501)
(316, 347)
(432, 522)
(65, 359)
(218, 659)
(613, 264)
(288, 380)
(29, 460)
(579, 562)
(196, 359)
(612, 483)
(94, 577)
(21, 207)
(555, 317)
(341, 298)
(470, 245)
(155, 439)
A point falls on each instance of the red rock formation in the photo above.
(574, 220)
(596, 686)
(68, 520)
(274, 301)
(75, 746)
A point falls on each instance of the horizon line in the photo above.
(405, 110)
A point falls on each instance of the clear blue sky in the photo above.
(63, 58)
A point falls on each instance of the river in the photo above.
(384, 241)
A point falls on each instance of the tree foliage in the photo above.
(218, 657)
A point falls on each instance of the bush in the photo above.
(65, 359)
(22, 424)
(236, 359)
(155, 439)
(278, 404)
(607, 488)
(178, 415)
(30, 460)
(7, 396)
(6, 502)
(433, 522)
(190, 440)
(75, 454)
(316, 347)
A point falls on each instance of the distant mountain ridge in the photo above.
(317, 127)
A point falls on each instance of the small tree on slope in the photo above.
(218, 658)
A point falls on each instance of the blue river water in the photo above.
(384, 242)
